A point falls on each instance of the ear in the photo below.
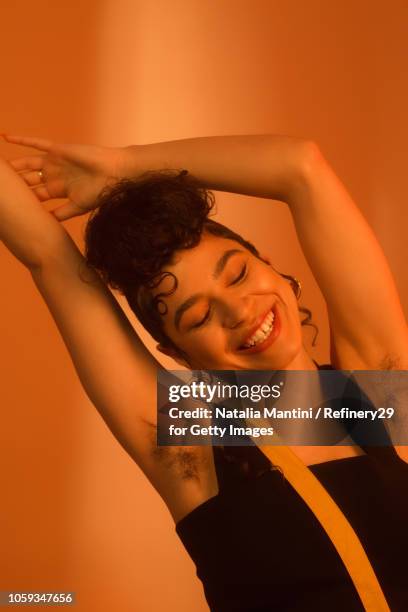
(170, 352)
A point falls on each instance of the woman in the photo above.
(204, 293)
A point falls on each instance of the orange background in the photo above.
(76, 512)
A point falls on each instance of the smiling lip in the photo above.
(257, 348)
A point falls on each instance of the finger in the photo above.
(33, 178)
(42, 193)
(28, 141)
(66, 211)
(30, 162)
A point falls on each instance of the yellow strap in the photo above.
(333, 522)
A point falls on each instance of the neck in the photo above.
(302, 361)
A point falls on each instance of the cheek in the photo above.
(207, 343)
(195, 344)
(291, 298)
(262, 282)
(208, 347)
(288, 294)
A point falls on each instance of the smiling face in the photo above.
(231, 310)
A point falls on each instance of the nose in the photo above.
(236, 312)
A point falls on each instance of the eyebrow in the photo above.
(219, 267)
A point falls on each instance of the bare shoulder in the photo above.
(349, 360)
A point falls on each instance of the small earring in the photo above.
(298, 287)
(295, 284)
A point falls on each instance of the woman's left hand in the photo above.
(75, 172)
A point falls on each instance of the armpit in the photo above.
(184, 462)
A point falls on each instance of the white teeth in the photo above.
(262, 332)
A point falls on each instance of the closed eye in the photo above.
(240, 275)
(200, 323)
(236, 280)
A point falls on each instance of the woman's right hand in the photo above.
(76, 172)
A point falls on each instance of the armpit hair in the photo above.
(390, 362)
(184, 460)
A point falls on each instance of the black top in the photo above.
(258, 547)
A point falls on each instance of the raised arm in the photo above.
(116, 370)
(367, 323)
(368, 328)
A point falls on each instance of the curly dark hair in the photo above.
(136, 229)
(134, 233)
